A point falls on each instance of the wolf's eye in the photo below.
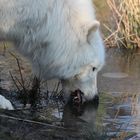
(94, 68)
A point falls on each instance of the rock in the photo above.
(5, 104)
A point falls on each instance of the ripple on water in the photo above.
(115, 75)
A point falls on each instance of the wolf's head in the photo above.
(91, 60)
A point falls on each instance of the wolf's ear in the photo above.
(91, 28)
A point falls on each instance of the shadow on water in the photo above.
(115, 118)
(83, 120)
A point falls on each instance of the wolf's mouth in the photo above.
(76, 97)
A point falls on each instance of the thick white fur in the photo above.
(60, 37)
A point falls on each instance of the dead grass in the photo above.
(127, 19)
(28, 92)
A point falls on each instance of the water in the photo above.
(120, 80)
(115, 117)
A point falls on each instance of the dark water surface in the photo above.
(116, 117)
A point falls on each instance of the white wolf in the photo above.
(60, 37)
